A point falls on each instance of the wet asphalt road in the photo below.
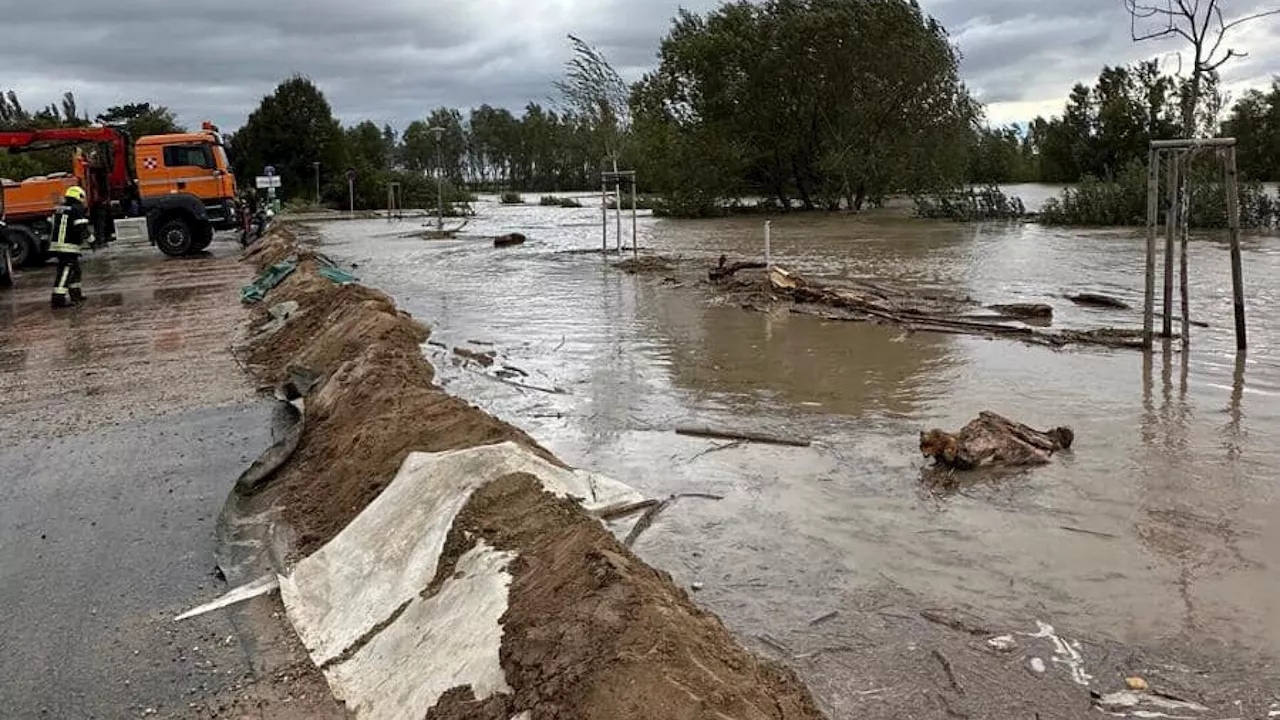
(123, 424)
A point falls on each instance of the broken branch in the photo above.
(707, 432)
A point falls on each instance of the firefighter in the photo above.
(70, 235)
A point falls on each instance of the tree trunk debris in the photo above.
(993, 440)
(725, 271)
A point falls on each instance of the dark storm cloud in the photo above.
(392, 60)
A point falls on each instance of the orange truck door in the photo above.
(178, 168)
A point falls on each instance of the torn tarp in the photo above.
(267, 279)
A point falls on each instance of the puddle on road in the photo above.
(1158, 525)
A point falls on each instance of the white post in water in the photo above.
(768, 251)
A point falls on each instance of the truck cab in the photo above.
(188, 163)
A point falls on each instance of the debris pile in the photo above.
(865, 301)
(589, 630)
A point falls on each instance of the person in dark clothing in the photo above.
(71, 233)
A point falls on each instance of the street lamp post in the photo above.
(316, 165)
(439, 133)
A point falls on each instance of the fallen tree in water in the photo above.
(994, 440)
(914, 311)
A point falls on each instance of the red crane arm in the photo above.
(119, 176)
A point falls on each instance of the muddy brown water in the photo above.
(1156, 529)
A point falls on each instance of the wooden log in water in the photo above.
(1033, 311)
(1098, 300)
(718, 434)
(509, 240)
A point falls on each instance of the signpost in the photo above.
(351, 189)
(269, 180)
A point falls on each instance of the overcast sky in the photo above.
(392, 60)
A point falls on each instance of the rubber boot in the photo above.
(77, 296)
(60, 301)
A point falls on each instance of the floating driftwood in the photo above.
(1099, 301)
(509, 240)
(1029, 311)
(486, 358)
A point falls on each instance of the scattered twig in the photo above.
(655, 507)
(946, 619)
(776, 644)
(483, 358)
(951, 671)
(613, 512)
(645, 521)
(1083, 531)
(513, 383)
(743, 436)
(563, 339)
(823, 618)
(717, 448)
(826, 649)
(703, 496)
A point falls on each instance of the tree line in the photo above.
(137, 119)
(809, 104)
(486, 148)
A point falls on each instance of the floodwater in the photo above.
(1157, 527)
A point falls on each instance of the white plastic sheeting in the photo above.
(373, 573)
(438, 643)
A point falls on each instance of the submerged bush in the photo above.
(512, 198)
(553, 201)
(986, 203)
(1123, 200)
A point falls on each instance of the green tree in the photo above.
(292, 128)
(1255, 123)
(141, 119)
(420, 150)
(594, 92)
(821, 101)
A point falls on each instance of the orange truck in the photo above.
(181, 183)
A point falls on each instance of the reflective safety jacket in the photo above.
(70, 232)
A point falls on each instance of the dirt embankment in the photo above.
(590, 630)
(375, 404)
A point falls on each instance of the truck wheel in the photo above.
(205, 240)
(24, 247)
(6, 267)
(175, 238)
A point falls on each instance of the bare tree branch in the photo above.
(1248, 18)
(1205, 28)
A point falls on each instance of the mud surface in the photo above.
(125, 421)
(1148, 542)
